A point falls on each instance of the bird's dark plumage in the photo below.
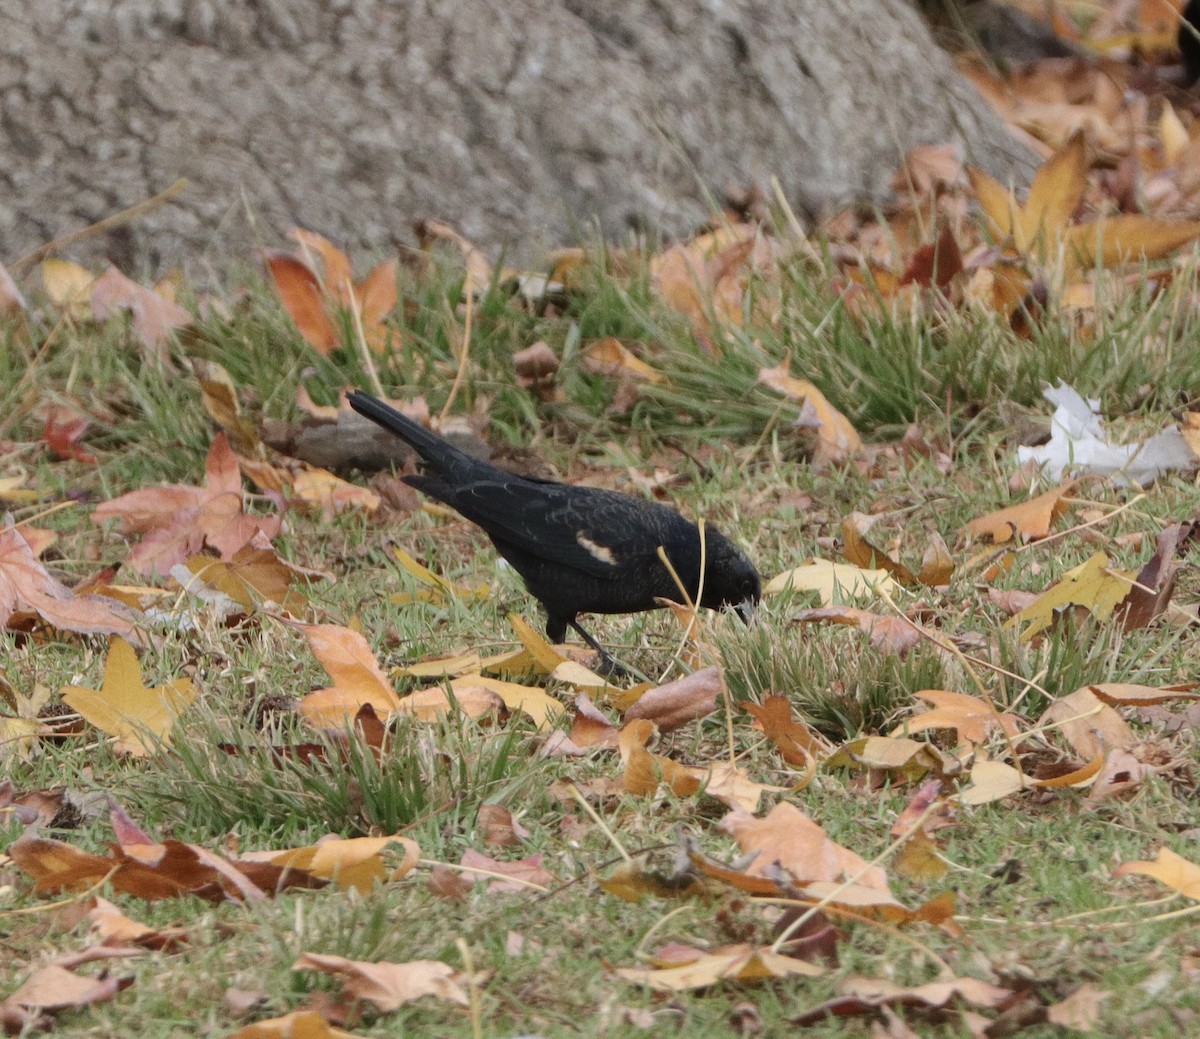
(579, 549)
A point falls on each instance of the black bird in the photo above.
(578, 549)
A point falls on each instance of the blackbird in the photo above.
(578, 549)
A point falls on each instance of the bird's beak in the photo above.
(747, 609)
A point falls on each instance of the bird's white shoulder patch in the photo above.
(599, 552)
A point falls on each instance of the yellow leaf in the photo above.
(1091, 585)
(69, 287)
(353, 862)
(141, 719)
(1054, 195)
(833, 582)
(1170, 869)
(992, 781)
(1172, 133)
(535, 702)
(1128, 238)
(996, 201)
(739, 963)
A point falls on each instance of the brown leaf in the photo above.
(837, 438)
(935, 265)
(389, 986)
(673, 705)
(178, 521)
(970, 717)
(527, 874)
(859, 551)
(1080, 1010)
(787, 839)
(302, 297)
(797, 743)
(113, 927)
(644, 771)
(64, 429)
(496, 826)
(863, 996)
(1090, 727)
(25, 585)
(893, 634)
(54, 988)
(1155, 583)
(155, 318)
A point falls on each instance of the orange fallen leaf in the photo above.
(357, 677)
(1027, 521)
(303, 1024)
(787, 839)
(837, 439)
(1169, 869)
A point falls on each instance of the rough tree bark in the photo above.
(522, 122)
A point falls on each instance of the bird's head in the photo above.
(730, 579)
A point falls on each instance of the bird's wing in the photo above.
(595, 532)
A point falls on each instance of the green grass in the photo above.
(1020, 868)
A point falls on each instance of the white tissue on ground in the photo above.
(1078, 443)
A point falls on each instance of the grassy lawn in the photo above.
(1035, 898)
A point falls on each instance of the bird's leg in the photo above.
(609, 668)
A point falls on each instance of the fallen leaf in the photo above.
(837, 438)
(971, 718)
(645, 771)
(155, 317)
(178, 520)
(673, 705)
(350, 862)
(833, 582)
(62, 434)
(609, 356)
(389, 986)
(1088, 725)
(1169, 869)
(1092, 585)
(744, 964)
(787, 839)
(889, 633)
(1026, 521)
(1080, 1010)
(25, 584)
(141, 719)
(796, 742)
(525, 874)
(357, 677)
(303, 1024)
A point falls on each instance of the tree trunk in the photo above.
(521, 122)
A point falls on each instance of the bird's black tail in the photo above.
(440, 455)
